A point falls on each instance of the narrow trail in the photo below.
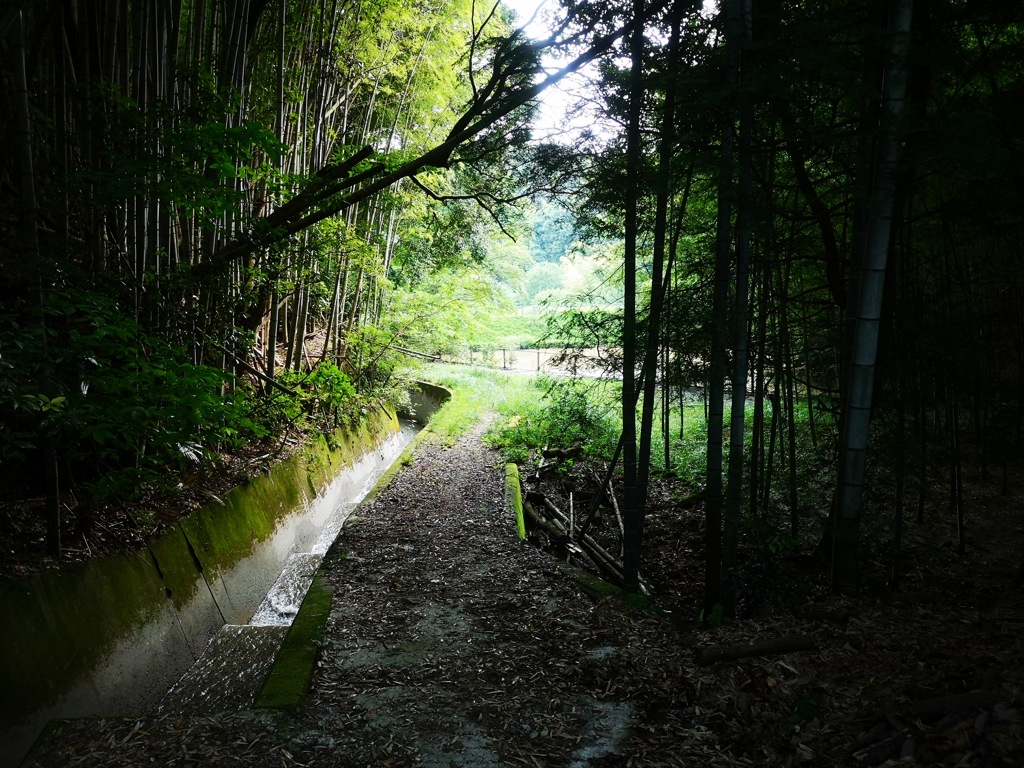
(450, 643)
(453, 643)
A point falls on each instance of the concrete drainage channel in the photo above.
(268, 662)
(217, 598)
(232, 670)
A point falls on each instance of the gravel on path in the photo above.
(450, 642)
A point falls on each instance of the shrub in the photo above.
(121, 408)
(569, 411)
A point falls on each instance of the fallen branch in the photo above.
(555, 529)
(544, 524)
(605, 561)
(775, 646)
(258, 374)
(414, 353)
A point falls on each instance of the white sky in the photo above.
(552, 123)
(524, 10)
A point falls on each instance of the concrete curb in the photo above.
(514, 498)
(292, 671)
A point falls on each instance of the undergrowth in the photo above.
(557, 413)
(87, 392)
(476, 392)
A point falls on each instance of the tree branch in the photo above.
(323, 197)
(478, 198)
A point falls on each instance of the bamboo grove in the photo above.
(819, 206)
(162, 131)
(822, 221)
(191, 190)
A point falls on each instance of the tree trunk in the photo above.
(867, 309)
(716, 379)
(757, 428)
(739, 31)
(633, 512)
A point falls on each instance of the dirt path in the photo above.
(452, 643)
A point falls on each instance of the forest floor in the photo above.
(115, 528)
(452, 643)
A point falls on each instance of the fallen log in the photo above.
(583, 540)
(553, 458)
(604, 489)
(775, 646)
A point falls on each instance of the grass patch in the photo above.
(475, 393)
(557, 413)
(496, 331)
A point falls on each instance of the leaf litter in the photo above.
(452, 643)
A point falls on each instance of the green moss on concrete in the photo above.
(425, 399)
(176, 566)
(224, 533)
(292, 672)
(58, 624)
(599, 589)
(347, 445)
(514, 498)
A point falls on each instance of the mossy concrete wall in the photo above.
(425, 399)
(109, 636)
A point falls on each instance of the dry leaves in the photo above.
(450, 643)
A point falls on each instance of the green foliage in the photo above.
(438, 237)
(553, 232)
(127, 413)
(542, 280)
(521, 431)
(567, 412)
(188, 166)
(375, 360)
(325, 396)
(441, 314)
(477, 392)
(585, 328)
(688, 446)
(122, 408)
(502, 330)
